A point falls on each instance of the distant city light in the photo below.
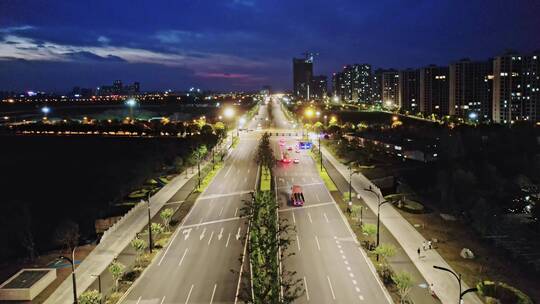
(45, 110)
(473, 115)
(131, 102)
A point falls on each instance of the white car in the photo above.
(296, 161)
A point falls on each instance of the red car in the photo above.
(297, 197)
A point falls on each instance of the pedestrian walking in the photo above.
(418, 252)
(429, 244)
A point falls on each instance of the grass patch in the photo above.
(266, 179)
(235, 142)
(324, 175)
(209, 176)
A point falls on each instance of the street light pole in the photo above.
(458, 278)
(99, 286)
(72, 276)
(149, 224)
(379, 204)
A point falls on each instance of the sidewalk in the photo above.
(116, 239)
(445, 284)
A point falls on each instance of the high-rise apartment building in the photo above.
(434, 90)
(516, 88)
(409, 90)
(319, 85)
(354, 83)
(471, 91)
(390, 88)
(302, 76)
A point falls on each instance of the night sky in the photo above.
(244, 44)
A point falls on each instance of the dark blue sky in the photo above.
(244, 44)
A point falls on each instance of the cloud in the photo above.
(176, 36)
(103, 39)
(13, 29)
(222, 75)
(89, 56)
(34, 50)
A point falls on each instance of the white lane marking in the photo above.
(228, 238)
(238, 233)
(228, 170)
(292, 179)
(357, 289)
(221, 211)
(331, 288)
(293, 218)
(317, 197)
(212, 196)
(298, 242)
(354, 282)
(189, 294)
(171, 242)
(235, 212)
(305, 287)
(162, 300)
(139, 299)
(325, 217)
(211, 236)
(183, 256)
(213, 293)
(248, 170)
(318, 245)
(220, 235)
(245, 179)
(309, 216)
(198, 225)
(351, 275)
(186, 233)
(361, 297)
(306, 206)
(212, 222)
(202, 234)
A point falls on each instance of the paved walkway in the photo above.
(445, 284)
(117, 240)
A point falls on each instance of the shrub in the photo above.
(503, 292)
(90, 297)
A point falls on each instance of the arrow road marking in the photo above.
(220, 235)
(202, 234)
(211, 236)
(228, 238)
(186, 233)
(238, 233)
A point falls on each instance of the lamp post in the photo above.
(458, 278)
(99, 286)
(379, 204)
(131, 103)
(149, 224)
(72, 262)
(229, 113)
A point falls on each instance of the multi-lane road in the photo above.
(201, 263)
(197, 265)
(327, 257)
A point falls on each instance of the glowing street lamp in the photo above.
(45, 110)
(131, 103)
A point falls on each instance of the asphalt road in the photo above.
(198, 264)
(327, 257)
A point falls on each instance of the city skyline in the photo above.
(239, 45)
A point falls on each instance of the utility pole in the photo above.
(149, 223)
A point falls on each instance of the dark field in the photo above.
(47, 180)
